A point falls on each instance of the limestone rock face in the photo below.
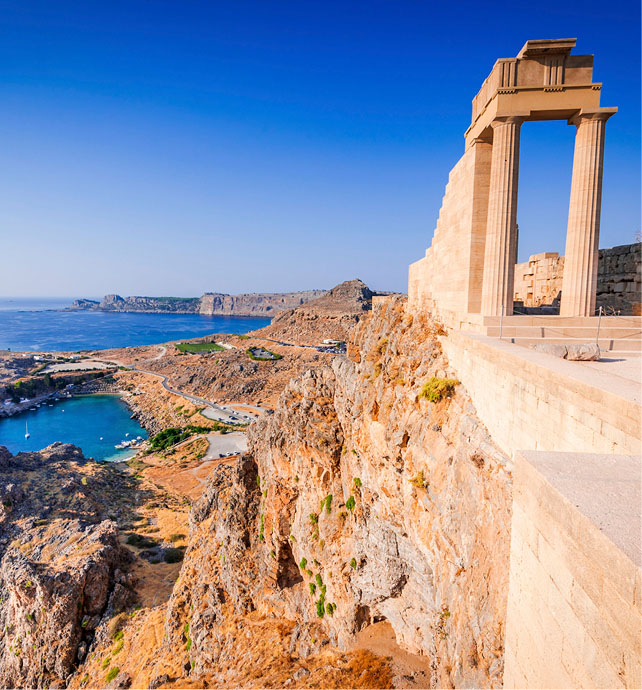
(360, 501)
(255, 304)
(57, 560)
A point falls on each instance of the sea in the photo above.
(40, 324)
(96, 423)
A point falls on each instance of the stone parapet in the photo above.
(531, 401)
(573, 615)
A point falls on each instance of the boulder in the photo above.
(588, 352)
(550, 349)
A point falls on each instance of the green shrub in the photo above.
(327, 502)
(382, 345)
(350, 503)
(106, 663)
(118, 636)
(303, 562)
(357, 483)
(314, 518)
(319, 580)
(140, 542)
(419, 481)
(262, 527)
(111, 674)
(176, 537)
(173, 555)
(313, 588)
(436, 389)
(353, 563)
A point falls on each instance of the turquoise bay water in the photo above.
(81, 420)
(31, 324)
(34, 325)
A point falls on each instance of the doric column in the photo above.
(500, 253)
(579, 283)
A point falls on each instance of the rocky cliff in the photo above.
(61, 564)
(373, 493)
(211, 303)
(254, 304)
(175, 305)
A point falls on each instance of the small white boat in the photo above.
(27, 434)
(101, 438)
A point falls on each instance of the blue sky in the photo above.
(182, 147)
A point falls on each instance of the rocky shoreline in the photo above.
(210, 304)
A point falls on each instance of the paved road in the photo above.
(213, 410)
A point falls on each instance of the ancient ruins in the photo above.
(572, 429)
(475, 242)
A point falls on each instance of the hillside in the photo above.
(328, 317)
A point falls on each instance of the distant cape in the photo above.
(211, 303)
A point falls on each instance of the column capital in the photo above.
(514, 119)
(599, 115)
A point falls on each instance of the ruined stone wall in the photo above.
(538, 281)
(619, 276)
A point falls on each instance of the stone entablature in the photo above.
(544, 81)
(469, 269)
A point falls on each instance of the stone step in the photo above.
(559, 321)
(606, 344)
(615, 332)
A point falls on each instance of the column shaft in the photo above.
(579, 284)
(500, 253)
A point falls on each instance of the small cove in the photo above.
(81, 420)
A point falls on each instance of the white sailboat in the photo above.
(27, 434)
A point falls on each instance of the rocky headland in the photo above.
(211, 303)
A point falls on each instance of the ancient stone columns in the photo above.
(500, 254)
(580, 264)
